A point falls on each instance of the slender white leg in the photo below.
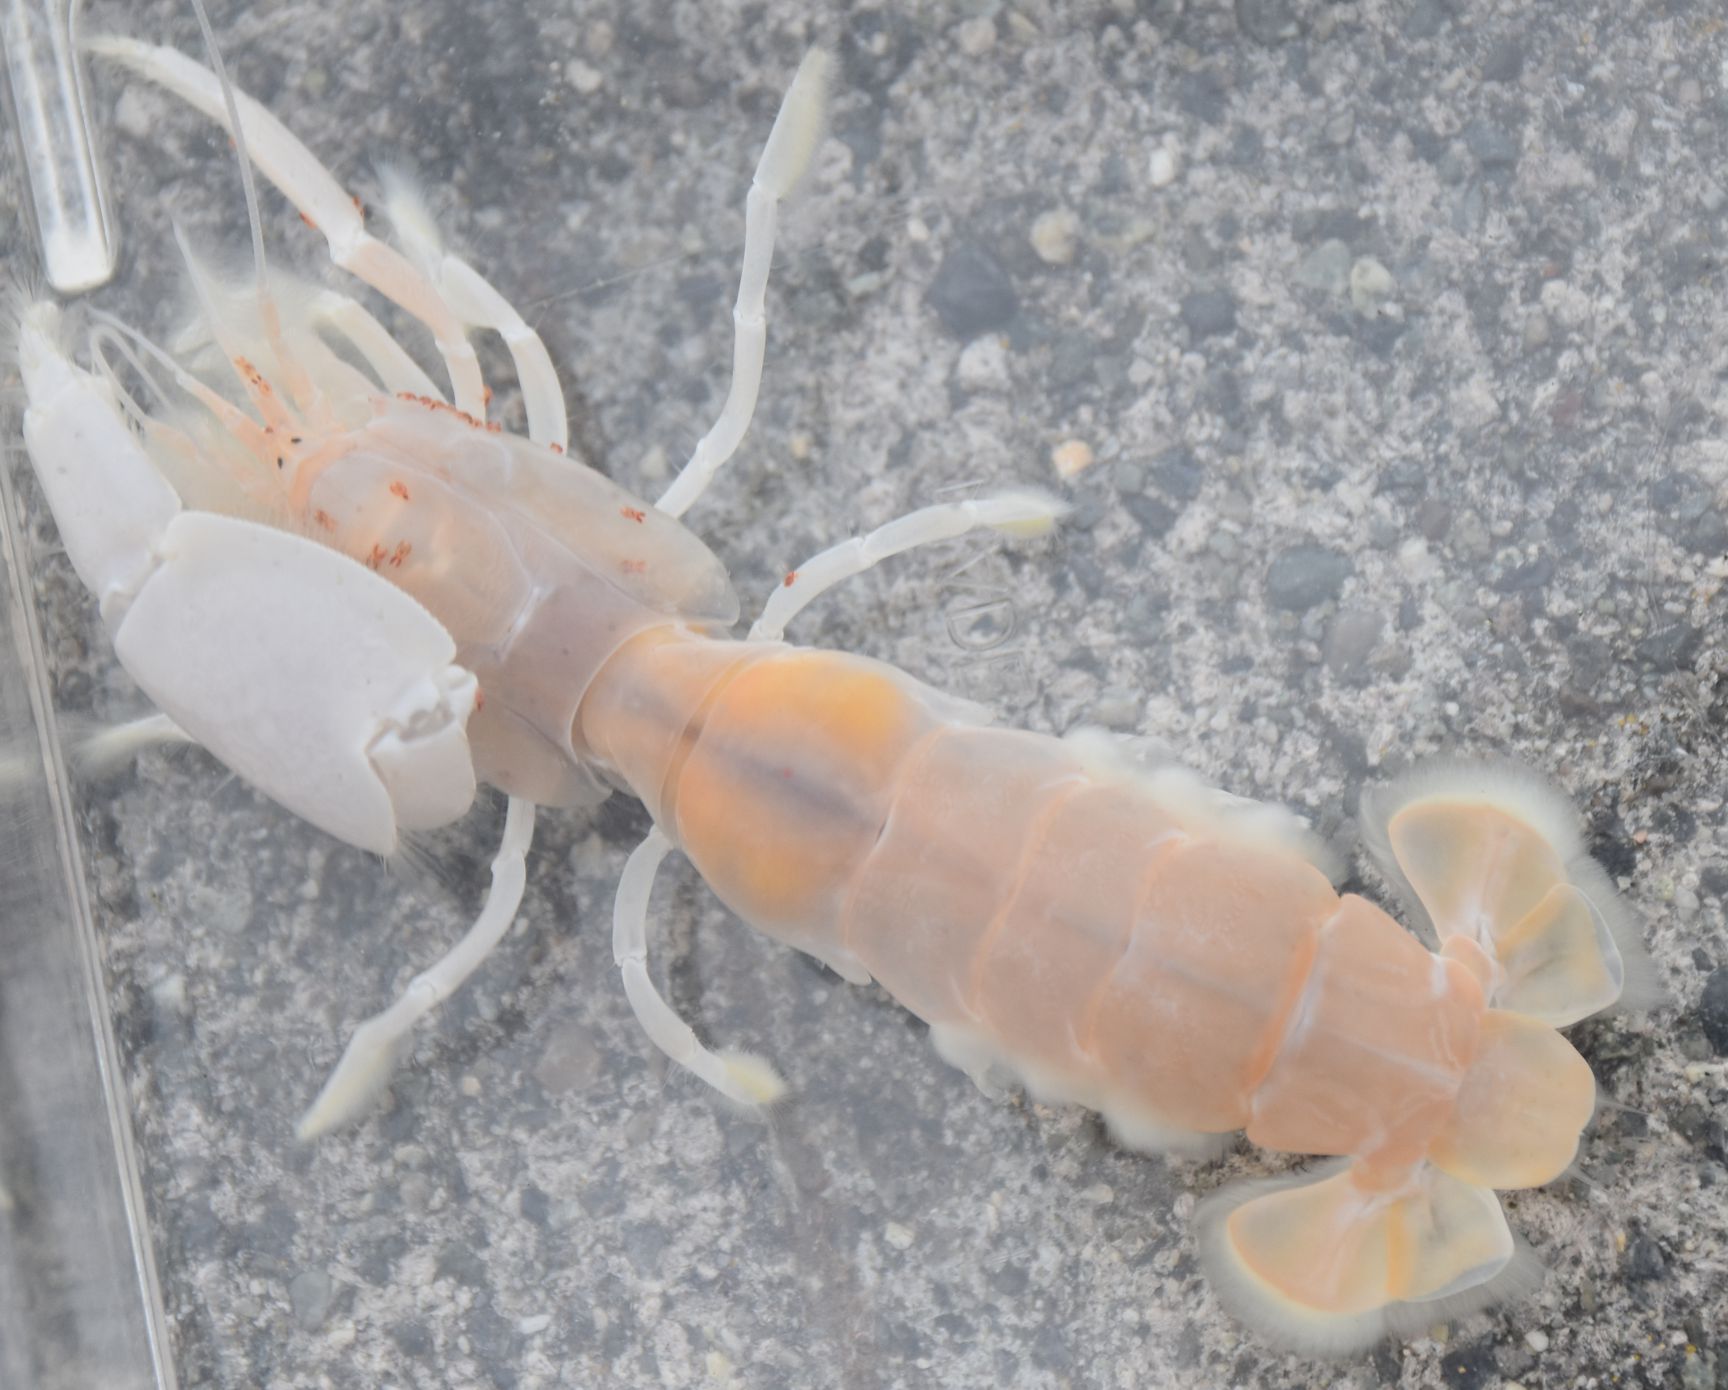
(320, 199)
(784, 159)
(378, 1043)
(97, 751)
(112, 747)
(736, 1075)
(395, 368)
(473, 299)
(476, 301)
(1019, 513)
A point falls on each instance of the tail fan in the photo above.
(1324, 1263)
(1520, 1109)
(1493, 857)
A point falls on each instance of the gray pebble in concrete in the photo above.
(1326, 268)
(1645, 1261)
(1208, 313)
(311, 1293)
(1505, 61)
(1350, 641)
(1713, 1010)
(1305, 575)
(972, 294)
(1178, 473)
(1493, 147)
(1269, 21)
(1155, 515)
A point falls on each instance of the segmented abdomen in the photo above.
(1113, 945)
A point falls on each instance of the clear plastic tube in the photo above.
(79, 1299)
(56, 142)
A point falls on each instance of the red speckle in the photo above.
(433, 403)
(633, 566)
(556, 448)
(479, 701)
(376, 558)
(399, 490)
(635, 514)
(486, 395)
(787, 582)
(359, 206)
(402, 552)
(308, 221)
(324, 519)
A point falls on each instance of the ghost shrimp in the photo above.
(357, 591)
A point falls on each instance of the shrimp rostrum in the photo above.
(364, 597)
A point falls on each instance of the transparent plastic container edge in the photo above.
(80, 1304)
(56, 142)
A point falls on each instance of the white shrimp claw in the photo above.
(321, 683)
(107, 497)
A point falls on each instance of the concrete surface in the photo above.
(1394, 331)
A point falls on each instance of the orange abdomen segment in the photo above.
(645, 707)
(785, 787)
(965, 826)
(1189, 1020)
(1376, 1045)
(1070, 921)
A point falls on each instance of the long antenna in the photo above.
(254, 220)
(296, 381)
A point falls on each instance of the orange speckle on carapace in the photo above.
(399, 489)
(635, 514)
(254, 378)
(433, 403)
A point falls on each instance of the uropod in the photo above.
(335, 572)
